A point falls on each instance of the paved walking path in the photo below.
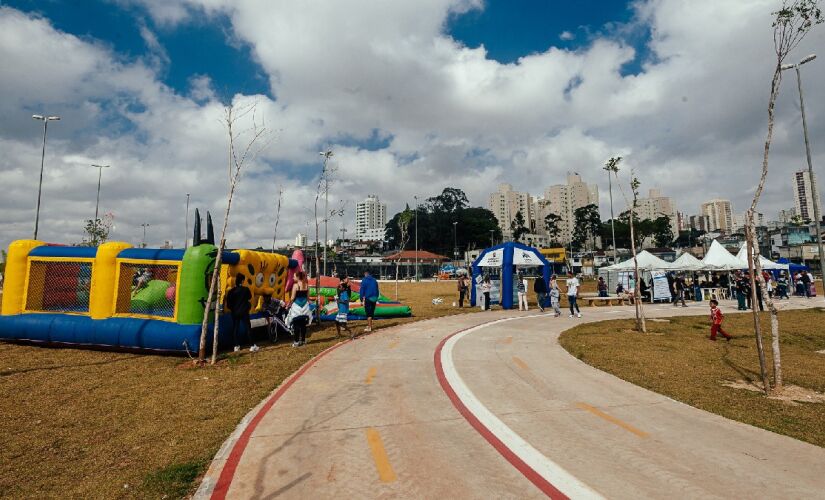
(488, 405)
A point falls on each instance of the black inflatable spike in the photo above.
(210, 233)
(196, 238)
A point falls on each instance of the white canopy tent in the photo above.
(719, 259)
(767, 264)
(647, 262)
(687, 262)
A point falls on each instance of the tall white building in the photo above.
(739, 221)
(301, 240)
(720, 215)
(370, 219)
(655, 206)
(803, 196)
(506, 203)
(564, 199)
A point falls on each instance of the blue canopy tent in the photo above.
(792, 268)
(507, 257)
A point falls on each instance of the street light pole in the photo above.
(612, 221)
(416, 238)
(143, 242)
(45, 120)
(327, 155)
(97, 203)
(186, 234)
(814, 190)
(455, 243)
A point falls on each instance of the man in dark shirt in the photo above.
(238, 302)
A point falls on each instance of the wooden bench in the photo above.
(609, 300)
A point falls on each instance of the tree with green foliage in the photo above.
(518, 227)
(96, 232)
(552, 223)
(587, 225)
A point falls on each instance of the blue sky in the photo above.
(508, 29)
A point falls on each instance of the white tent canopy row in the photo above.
(716, 259)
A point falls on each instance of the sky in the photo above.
(412, 97)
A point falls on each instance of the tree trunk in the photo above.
(637, 300)
(757, 327)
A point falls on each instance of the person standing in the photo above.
(806, 280)
(237, 300)
(462, 289)
(540, 288)
(716, 318)
(486, 287)
(671, 286)
(782, 286)
(300, 314)
(741, 289)
(369, 297)
(342, 317)
(572, 294)
(521, 288)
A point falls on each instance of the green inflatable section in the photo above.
(196, 271)
(151, 299)
(388, 311)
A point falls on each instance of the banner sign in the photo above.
(526, 258)
(661, 290)
(492, 259)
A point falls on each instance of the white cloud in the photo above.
(692, 122)
(566, 36)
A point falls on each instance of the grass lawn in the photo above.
(88, 424)
(677, 359)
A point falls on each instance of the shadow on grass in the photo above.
(174, 481)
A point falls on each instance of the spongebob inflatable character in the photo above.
(263, 273)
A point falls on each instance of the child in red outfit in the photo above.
(716, 318)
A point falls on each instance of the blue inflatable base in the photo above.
(117, 333)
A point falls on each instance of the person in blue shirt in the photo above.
(343, 307)
(369, 297)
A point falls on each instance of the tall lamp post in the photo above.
(45, 120)
(492, 237)
(455, 243)
(97, 203)
(814, 191)
(186, 234)
(416, 238)
(327, 155)
(612, 221)
(143, 242)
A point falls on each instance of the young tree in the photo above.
(97, 231)
(277, 217)
(518, 227)
(612, 165)
(256, 143)
(404, 228)
(791, 23)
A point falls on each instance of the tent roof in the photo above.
(687, 262)
(766, 263)
(719, 258)
(647, 261)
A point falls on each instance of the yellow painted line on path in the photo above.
(379, 455)
(506, 340)
(612, 419)
(521, 364)
(370, 375)
(393, 344)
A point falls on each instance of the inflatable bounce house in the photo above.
(501, 264)
(129, 298)
(385, 308)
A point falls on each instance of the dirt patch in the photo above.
(790, 393)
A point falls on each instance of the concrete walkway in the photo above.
(471, 407)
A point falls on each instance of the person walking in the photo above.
(540, 288)
(462, 286)
(369, 297)
(572, 294)
(716, 318)
(555, 296)
(521, 289)
(601, 286)
(486, 287)
(679, 285)
(671, 286)
(300, 314)
(343, 299)
(237, 300)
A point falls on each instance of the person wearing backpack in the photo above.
(462, 289)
